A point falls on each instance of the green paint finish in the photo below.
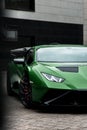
(72, 75)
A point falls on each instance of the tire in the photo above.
(9, 89)
(25, 91)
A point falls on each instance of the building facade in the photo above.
(32, 22)
(85, 22)
(67, 11)
(35, 22)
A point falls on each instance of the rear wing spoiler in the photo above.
(19, 53)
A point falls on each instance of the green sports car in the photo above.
(49, 75)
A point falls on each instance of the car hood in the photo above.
(75, 75)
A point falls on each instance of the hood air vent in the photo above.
(68, 69)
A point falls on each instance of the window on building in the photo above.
(10, 35)
(25, 5)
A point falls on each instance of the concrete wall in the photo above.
(67, 11)
(62, 11)
(85, 22)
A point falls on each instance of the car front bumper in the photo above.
(65, 98)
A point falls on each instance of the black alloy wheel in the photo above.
(25, 91)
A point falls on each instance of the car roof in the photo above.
(59, 45)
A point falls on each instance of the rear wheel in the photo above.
(25, 91)
(9, 89)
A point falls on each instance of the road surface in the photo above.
(16, 117)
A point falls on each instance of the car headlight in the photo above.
(53, 78)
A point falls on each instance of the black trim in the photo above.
(65, 98)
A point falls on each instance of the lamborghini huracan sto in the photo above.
(49, 75)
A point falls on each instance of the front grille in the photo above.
(65, 97)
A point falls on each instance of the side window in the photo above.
(29, 56)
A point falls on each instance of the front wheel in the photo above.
(25, 91)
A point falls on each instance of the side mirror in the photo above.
(19, 61)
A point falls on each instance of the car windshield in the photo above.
(62, 54)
